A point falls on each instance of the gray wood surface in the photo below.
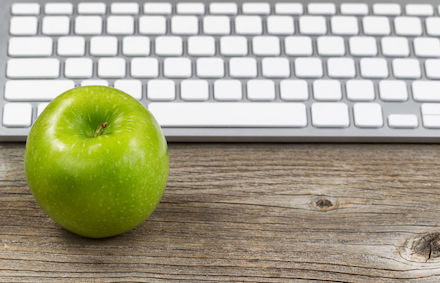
(248, 212)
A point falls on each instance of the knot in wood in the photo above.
(428, 246)
(422, 248)
(324, 203)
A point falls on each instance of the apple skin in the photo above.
(96, 186)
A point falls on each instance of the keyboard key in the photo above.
(233, 46)
(331, 46)
(368, 115)
(91, 8)
(360, 90)
(389, 9)
(433, 26)
(419, 10)
(94, 82)
(258, 90)
(144, 67)
(266, 45)
(169, 46)
(280, 25)
(308, 68)
(327, 90)
(78, 68)
(120, 25)
(111, 68)
(56, 25)
(363, 46)
(275, 67)
(229, 114)
(298, 46)
(406, 68)
(223, 8)
(394, 46)
(17, 115)
(152, 25)
(177, 67)
(161, 90)
(184, 25)
(430, 109)
(30, 46)
(157, 8)
(248, 25)
(376, 25)
(322, 8)
(71, 46)
(314, 25)
(227, 90)
(23, 26)
(33, 68)
(194, 90)
(103, 45)
(216, 25)
(432, 68)
(427, 47)
(243, 67)
(374, 68)
(201, 46)
(426, 90)
(136, 46)
(431, 121)
(36, 90)
(88, 25)
(294, 90)
(41, 107)
(403, 121)
(344, 25)
(393, 90)
(358, 9)
(431, 117)
(256, 8)
(131, 87)
(125, 8)
(59, 8)
(190, 8)
(411, 26)
(330, 115)
(210, 67)
(289, 8)
(341, 68)
(25, 9)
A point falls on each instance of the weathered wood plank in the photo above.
(248, 212)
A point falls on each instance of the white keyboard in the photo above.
(233, 71)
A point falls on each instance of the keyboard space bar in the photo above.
(229, 114)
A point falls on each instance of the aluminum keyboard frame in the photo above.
(307, 134)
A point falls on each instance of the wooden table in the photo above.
(248, 212)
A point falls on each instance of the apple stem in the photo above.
(99, 130)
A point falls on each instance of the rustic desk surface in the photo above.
(248, 212)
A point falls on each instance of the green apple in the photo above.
(96, 161)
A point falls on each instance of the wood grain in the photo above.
(248, 212)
